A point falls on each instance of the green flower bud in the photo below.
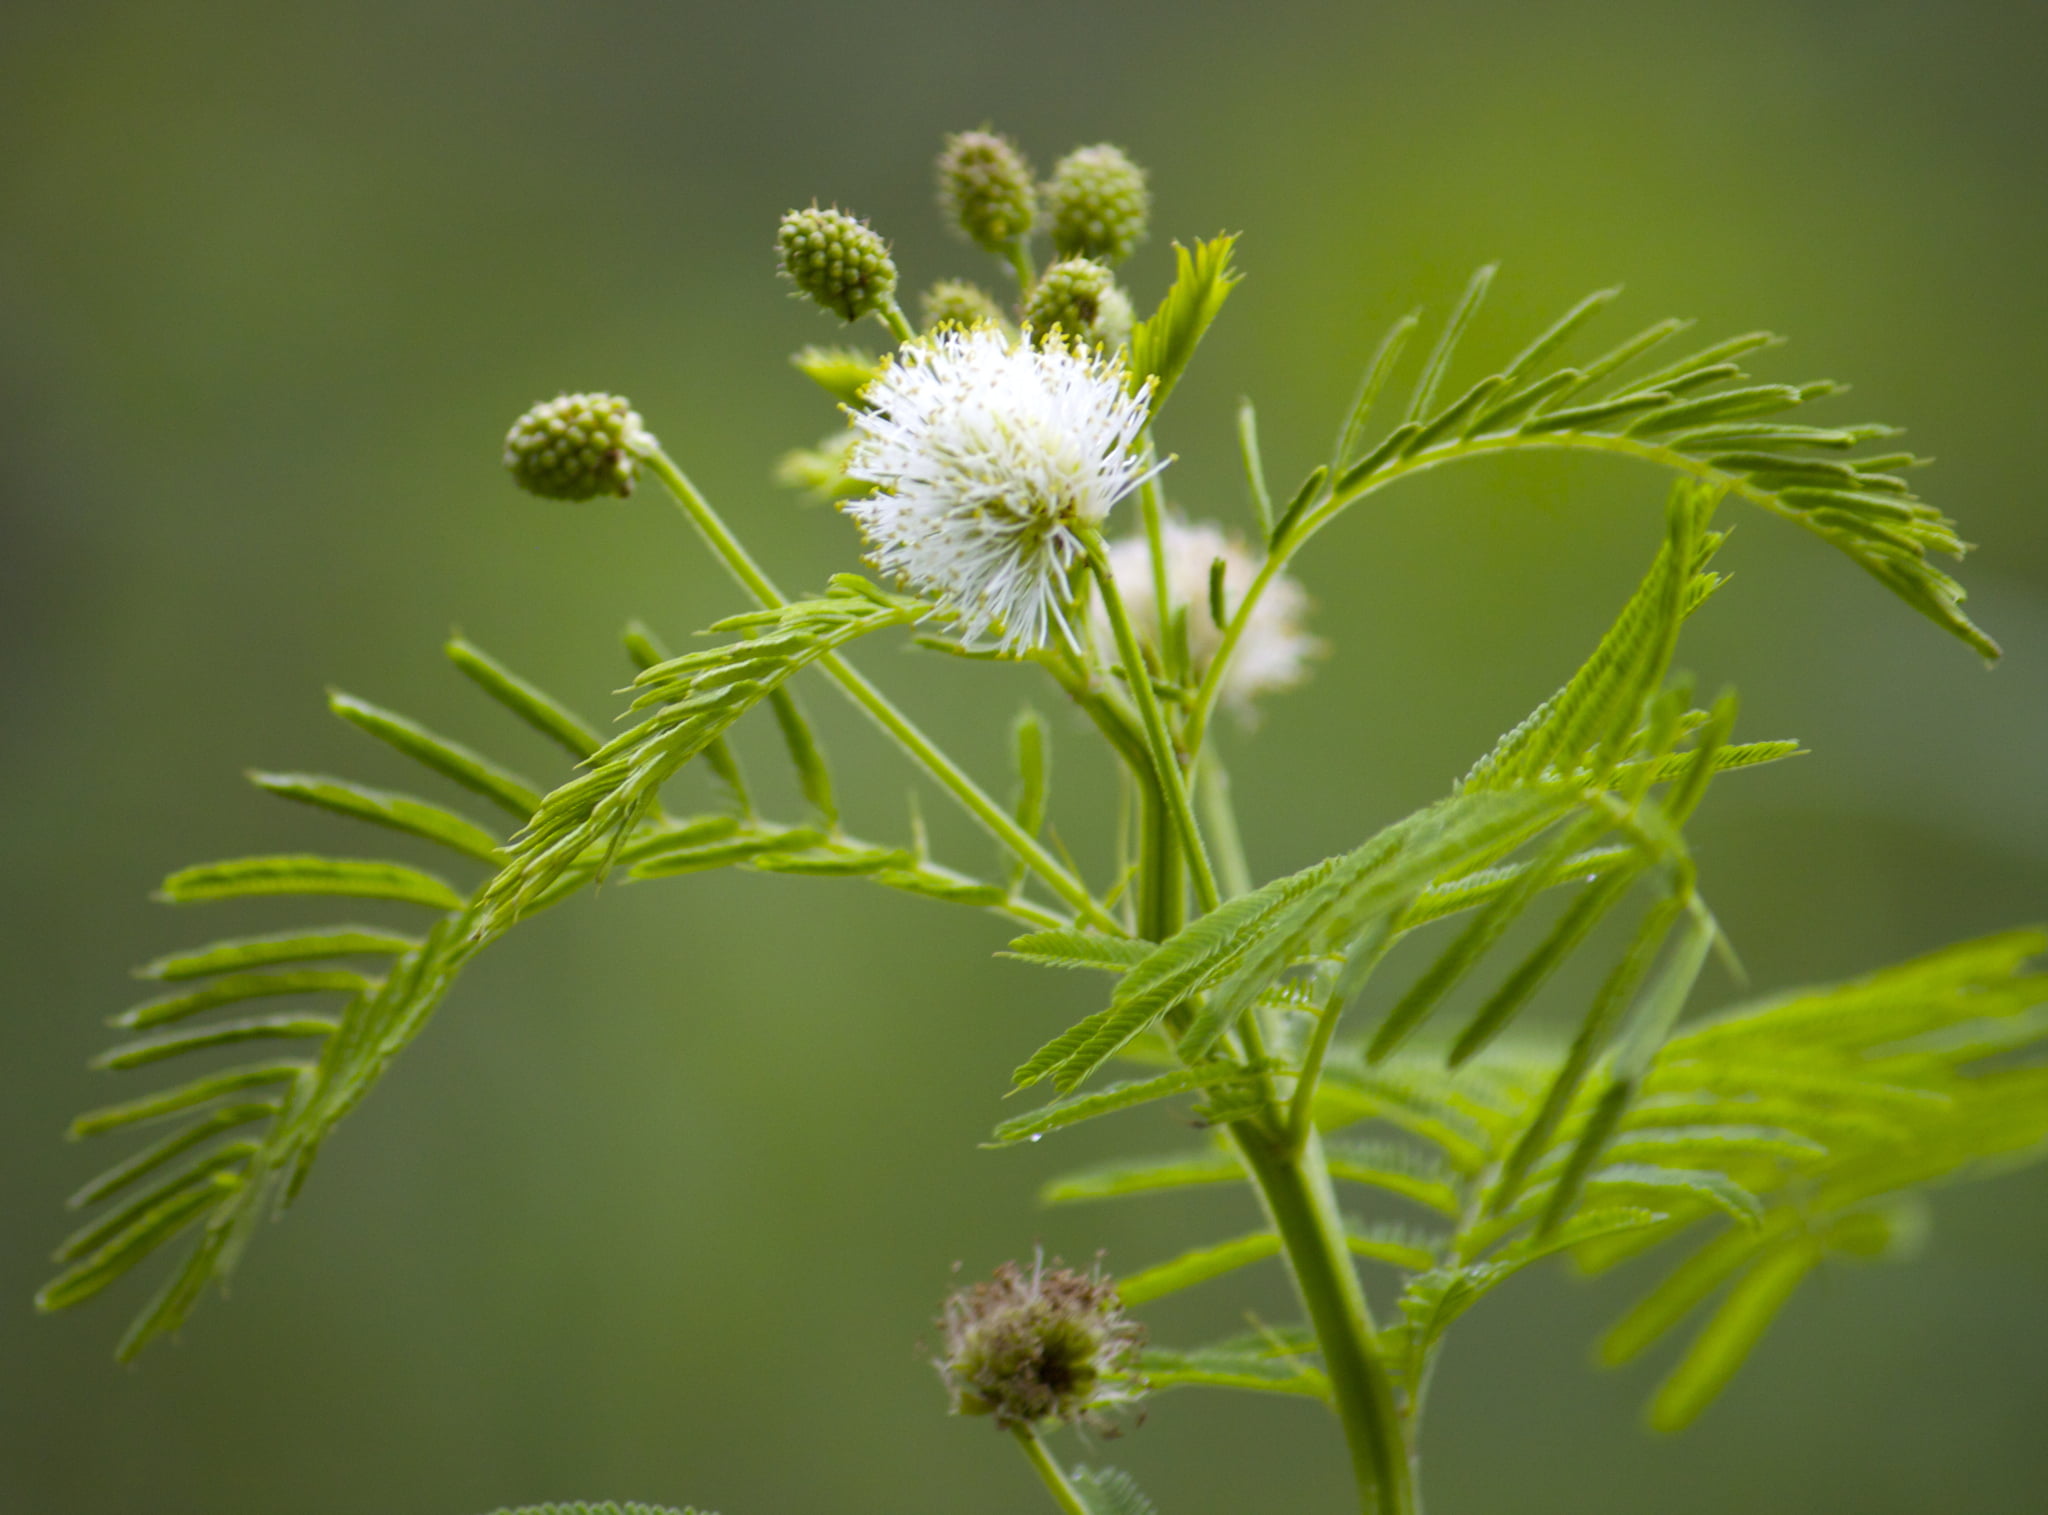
(820, 472)
(1053, 1344)
(842, 372)
(577, 447)
(1081, 298)
(955, 302)
(986, 189)
(1099, 204)
(838, 260)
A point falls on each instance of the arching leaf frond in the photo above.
(1701, 415)
(241, 1139)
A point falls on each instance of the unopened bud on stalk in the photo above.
(955, 302)
(986, 189)
(1080, 296)
(1047, 1345)
(577, 447)
(1098, 203)
(838, 260)
(842, 372)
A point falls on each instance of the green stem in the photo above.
(1162, 873)
(1153, 513)
(1165, 761)
(1018, 252)
(1301, 1113)
(1351, 978)
(726, 547)
(993, 817)
(1048, 1470)
(1295, 1188)
(1219, 816)
(892, 316)
(1318, 516)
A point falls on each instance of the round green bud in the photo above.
(577, 447)
(1081, 298)
(1099, 204)
(836, 259)
(986, 189)
(955, 302)
(1050, 1344)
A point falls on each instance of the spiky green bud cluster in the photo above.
(955, 302)
(986, 189)
(1099, 204)
(1081, 298)
(1048, 1345)
(577, 447)
(838, 260)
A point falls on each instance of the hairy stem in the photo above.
(1048, 1470)
(1295, 1188)
(976, 801)
(1172, 778)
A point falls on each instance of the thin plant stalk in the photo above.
(1172, 777)
(993, 817)
(1041, 1460)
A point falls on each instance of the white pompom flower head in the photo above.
(992, 459)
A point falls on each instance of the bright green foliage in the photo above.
(1768, 1140)
(1748, 1149)
(1277, 1362)
(1699, 415)
(1164, 344)
(1110, 1491)
(819, 472)
(842, 372)
(691, 701)
(243, 1139)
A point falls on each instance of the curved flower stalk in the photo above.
(1206, 573)
(1780, 1137)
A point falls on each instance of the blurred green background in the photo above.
(662, 1205)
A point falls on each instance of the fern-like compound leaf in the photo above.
(1698, 415)
(1164, 344)
(1110, 1491)
(243, 1139)
(1269, 1362)
(1198, 1265)
(691, 702)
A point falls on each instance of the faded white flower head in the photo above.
(1274, 650)
(989, 457)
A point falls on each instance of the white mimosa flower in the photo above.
(989, 457)
(1274, 650)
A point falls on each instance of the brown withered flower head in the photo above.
(1047, 1344)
